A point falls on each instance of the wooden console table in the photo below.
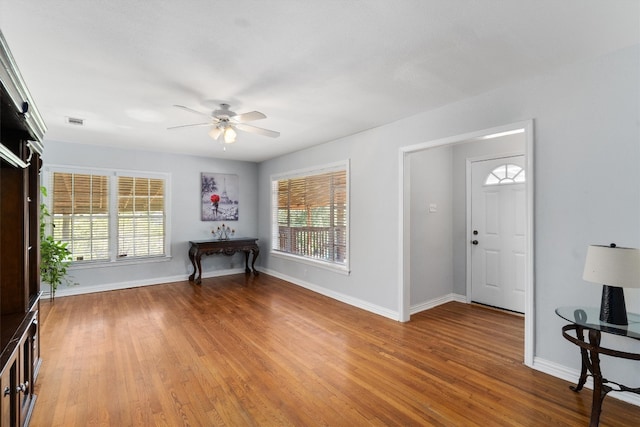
(587, 319)
(198, 248)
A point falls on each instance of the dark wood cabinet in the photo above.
(21, 132)
(7, 382)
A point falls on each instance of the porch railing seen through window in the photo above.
(311, 216)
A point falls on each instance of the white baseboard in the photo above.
(79, 289)
(364, 305)
(572, 375)
(436, 302)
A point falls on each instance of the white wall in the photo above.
(374, 197)
(431, 269)
(587, 151)
(186, 221)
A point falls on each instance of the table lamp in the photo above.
(616, 268)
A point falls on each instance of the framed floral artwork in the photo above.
(220, 196)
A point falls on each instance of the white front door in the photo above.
(498, 232)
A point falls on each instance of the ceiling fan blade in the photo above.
(191, 110)
(191, 125)
(255, 129)
(248, 117)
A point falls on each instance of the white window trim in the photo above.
(342, 269)
(113, 174)
(314, 170)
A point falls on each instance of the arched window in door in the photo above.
(505, 174)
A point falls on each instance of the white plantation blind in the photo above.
(110, 215)
(80, 214)
(310, 215)
(140, 216)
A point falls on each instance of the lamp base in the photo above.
(612, 307)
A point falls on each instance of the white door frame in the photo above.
(404, 226)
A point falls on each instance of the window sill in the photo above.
(341, 269)
(82, 265)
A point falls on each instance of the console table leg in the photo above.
(199, 279)
(193, 263)
(246, 262)
(256, 252)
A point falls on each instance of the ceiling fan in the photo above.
(225, 122)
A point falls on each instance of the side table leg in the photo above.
(585, 362)
(599, 391)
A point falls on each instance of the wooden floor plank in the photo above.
(258, 351)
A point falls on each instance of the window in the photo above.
(109, 215)
(80, 214)
(311, 215)
(140, 216)
(505, 174)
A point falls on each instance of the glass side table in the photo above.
(587, 319)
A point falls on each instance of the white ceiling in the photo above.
(319, 70)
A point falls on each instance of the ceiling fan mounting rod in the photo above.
(224, 112)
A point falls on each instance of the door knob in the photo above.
(475, 242)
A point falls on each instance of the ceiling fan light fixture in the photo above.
(215, 132)
(229, 135)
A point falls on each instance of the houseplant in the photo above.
(55, 257)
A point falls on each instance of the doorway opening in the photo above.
(496, 224)
(460, 285)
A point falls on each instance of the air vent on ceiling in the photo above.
(75, 121)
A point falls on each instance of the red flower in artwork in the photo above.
(215, 198)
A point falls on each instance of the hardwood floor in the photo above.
(258, 351)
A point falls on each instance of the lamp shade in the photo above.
(613, 266)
